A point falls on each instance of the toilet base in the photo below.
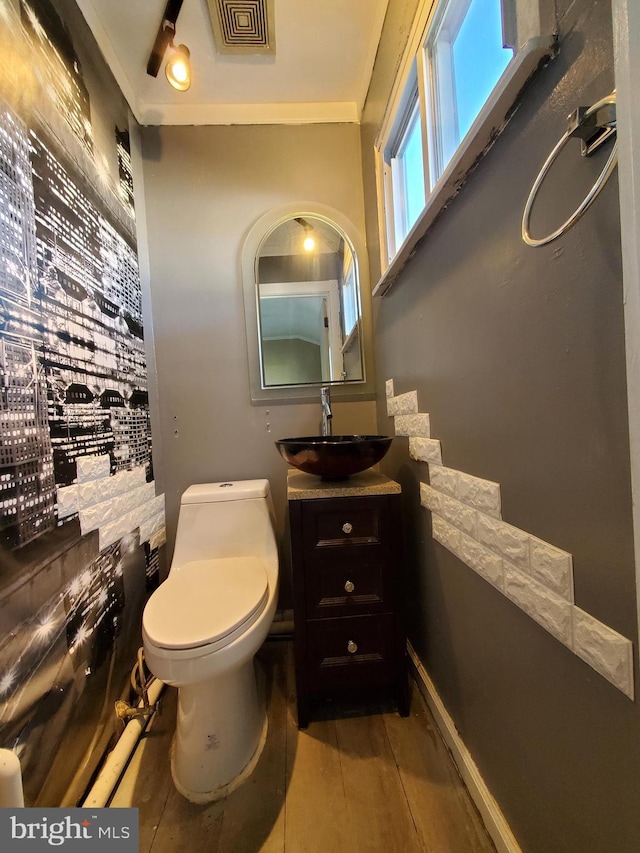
(201, 798)
(221, 729)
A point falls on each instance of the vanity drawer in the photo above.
(344, 588)
(351, 523)
(357, 650)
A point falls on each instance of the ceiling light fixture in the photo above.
(309, 243)
(178, 68)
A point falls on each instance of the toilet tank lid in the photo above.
(237, 490)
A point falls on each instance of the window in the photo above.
(465, 58)
(465, 63)
(407, 176)
(350, 309)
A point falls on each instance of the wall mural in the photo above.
(80, 524)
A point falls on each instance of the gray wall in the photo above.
(204, 189)
(518, 355)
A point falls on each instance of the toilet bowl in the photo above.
(203, 626)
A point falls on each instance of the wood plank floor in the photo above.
(363, 780)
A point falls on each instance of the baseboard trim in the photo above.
(494, 820)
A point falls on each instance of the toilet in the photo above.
(202, 627)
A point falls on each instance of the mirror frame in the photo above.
(346, 391)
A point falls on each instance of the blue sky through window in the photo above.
(478, 59)
(413, 171)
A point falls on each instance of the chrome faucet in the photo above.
(327, 414)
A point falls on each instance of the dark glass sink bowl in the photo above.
(334, 457)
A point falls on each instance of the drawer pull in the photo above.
(349, 586)
(352, 647)
(347, 527)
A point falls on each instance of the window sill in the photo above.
(351, 338)
(485, 128)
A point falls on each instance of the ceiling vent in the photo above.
(243, 26)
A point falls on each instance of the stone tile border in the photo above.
(404, 404)
(413, 425)
(535, 575)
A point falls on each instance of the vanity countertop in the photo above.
(301, 486)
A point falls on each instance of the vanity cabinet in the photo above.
(346, 548)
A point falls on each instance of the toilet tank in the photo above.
(231, 519)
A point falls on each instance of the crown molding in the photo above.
(201, 114)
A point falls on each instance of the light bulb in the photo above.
(309, 244)
(178, 69)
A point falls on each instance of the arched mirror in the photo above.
(308, 301)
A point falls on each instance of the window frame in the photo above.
(397, 177)
(528, 27)
(349, 302)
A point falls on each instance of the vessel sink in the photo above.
(334, 457)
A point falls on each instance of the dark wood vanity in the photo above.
(346, 548)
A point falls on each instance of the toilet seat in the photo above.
(206, 604)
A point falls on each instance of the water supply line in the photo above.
(139, 685)
(138, 717)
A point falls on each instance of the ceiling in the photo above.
(286, 238)
(320, 72)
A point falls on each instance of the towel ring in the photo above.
(593, 193)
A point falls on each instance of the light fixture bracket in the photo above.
(164, 36)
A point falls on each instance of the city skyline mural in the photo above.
(80, 523)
